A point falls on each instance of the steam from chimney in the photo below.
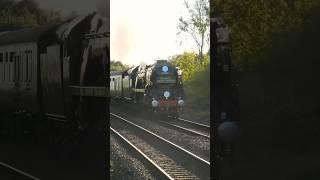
(143, 63)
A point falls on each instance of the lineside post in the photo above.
(225, 131)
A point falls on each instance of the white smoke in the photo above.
(143, 63)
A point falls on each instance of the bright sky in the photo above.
(144, 30)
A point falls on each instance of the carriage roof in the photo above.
(25, 35)
(61, 30)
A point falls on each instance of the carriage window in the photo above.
(30, 65)
(16, 69)
(27, 67)
(5, 66)
(1, 66)
(5, 56)
(12, 55)
(20, 68)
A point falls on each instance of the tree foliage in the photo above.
(275, 44)
(197, 25)
(25, 13)
(253, 23)
(118, 66)
(187, 62)
(196, 80)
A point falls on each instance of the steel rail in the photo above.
(194, 162)
(194, 123)
(18, 171)
(191, 123)
(188, 130)
(162, 174)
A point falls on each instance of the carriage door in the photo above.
(51, 81)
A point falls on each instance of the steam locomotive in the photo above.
(157, 87)
(56, 72)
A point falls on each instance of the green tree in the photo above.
(188, 64)
(118, 66)
(197, 24)
(253, 23)
(25, 13)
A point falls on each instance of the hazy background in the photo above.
(141, 30)
(144, 30)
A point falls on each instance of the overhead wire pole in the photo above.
(224, 129)
(214, 115)
(215, 87)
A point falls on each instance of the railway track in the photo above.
(16, 173)
(199, 126)
(188, 126)
(166, 158)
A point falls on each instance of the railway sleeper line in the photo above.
(205, 129)
(189, 128)
(162, 166)
(151, 164)
(17, 172)
(176, 161)
(186, 129)
(199, 137)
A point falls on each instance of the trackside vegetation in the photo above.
(196, 80)
(275, 53)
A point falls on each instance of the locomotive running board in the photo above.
(138, 90)
(91, 91)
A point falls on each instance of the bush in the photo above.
(287, 72)
(197, 89)
(196, 79)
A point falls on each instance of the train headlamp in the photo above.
(165, 68)
(154, 103)
(166, 94)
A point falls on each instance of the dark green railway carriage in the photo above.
(58, 71)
